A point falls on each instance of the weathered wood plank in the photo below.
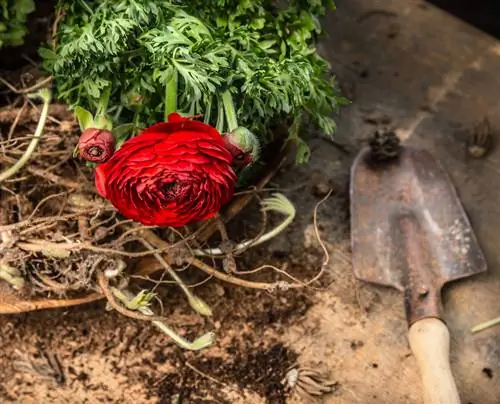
(435, 77)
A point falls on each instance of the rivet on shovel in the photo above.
(409, 231)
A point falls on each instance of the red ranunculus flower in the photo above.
(171, 174)
(96, 145)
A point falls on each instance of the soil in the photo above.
(87, 354)
(105, 357)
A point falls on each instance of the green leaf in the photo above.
(266, 44)
(303, 151)
(84, 118)
(103, 122)
(13, 18)
(123, 132)
(262, 53)
(47, 53)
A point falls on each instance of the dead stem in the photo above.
(63, 249)
(46, 97)
(485, 325)
(241, 282)
(83, 228)
(31, 89)
(51, 177)
(94, 226)
(211, 378)
(320, 241)
(21, 306)
(226, 246)
(16, 120)
(53, 285)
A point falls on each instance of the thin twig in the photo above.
(211, 378)
(31, 89)
(16, 120)
(320, 241)
(240, 282)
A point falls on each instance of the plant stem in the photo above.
(208, 110)
(278, 204)
(118, 113)
(103, 102)
(86, 6)
(220, 117)
(195, 302)
(241, 282)
(232, 121)
(45, 95)
(171, 94)
(202, 342)
(486, 325)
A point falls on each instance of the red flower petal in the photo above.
(171, 174)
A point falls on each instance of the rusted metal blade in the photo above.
(406, 217)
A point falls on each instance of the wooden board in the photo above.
(434, 77)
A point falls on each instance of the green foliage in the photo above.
(144, 52)
(13, 17)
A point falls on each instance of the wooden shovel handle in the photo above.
(430, 342)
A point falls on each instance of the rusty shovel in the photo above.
(409, 231)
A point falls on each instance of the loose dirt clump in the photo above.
(258, 369)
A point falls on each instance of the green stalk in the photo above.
(278, 203)
(220, 117)
(199, 343)
(195, 302)
(232, 121)
(46, 96)
(86, 6)
(103, 102)
(171, 94)
(118, 113)
(208, 110)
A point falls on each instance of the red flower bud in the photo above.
(96, 145)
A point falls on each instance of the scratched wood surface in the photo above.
(431, 77)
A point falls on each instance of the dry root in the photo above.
(59, 239)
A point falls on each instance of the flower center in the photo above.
(95, 151)
(170, 190)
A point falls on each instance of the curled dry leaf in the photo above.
(309, 384)
(480, 142)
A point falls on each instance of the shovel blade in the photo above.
(415, 185)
